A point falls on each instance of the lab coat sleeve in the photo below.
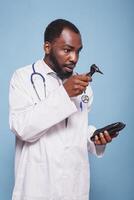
(31, 121)
(98, 150)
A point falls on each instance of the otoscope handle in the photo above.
(90, 73)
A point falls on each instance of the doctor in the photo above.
(50, 121)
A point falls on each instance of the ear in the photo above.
(47, 47)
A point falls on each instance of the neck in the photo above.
(48, 62)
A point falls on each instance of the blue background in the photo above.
(107, 29)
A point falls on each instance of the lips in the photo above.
(69, 67)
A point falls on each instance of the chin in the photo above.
(65, 75)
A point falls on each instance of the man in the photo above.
(50, 121)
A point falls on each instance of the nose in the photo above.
(74, 57)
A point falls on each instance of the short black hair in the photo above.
(55, 28)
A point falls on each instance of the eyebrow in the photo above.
(71, 47)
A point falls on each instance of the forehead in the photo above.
(69, 37)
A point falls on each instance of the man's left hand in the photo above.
(104, 138)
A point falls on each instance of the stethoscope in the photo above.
(84, 97)
(32, 81)
(43, 80)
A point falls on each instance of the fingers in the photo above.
(79, 89)
(77, 81)
(76, 84)
(84, 77)
(80, 83)
(97, 140)
(102, 138)
(107, 137)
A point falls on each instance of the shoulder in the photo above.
(23, 73)
(21, 76)
(24, 69)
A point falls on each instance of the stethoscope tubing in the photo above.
(32, 81)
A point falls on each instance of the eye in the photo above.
(67, 50)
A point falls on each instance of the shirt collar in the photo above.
(46, 68)
(43, 68)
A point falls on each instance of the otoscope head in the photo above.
(94, 69)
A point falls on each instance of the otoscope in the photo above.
(93, 69)
(85, 97)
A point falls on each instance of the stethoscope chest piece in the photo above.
(85, 98)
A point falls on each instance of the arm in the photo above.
(98, 150)
(31, 121)
(97, 146)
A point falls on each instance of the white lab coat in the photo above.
(51, 161)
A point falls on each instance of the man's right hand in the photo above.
(76, 84)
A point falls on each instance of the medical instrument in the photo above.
(84, 97)
(94, 69)
(32, 81)
(111, 128)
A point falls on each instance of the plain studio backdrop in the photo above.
(107, 29)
